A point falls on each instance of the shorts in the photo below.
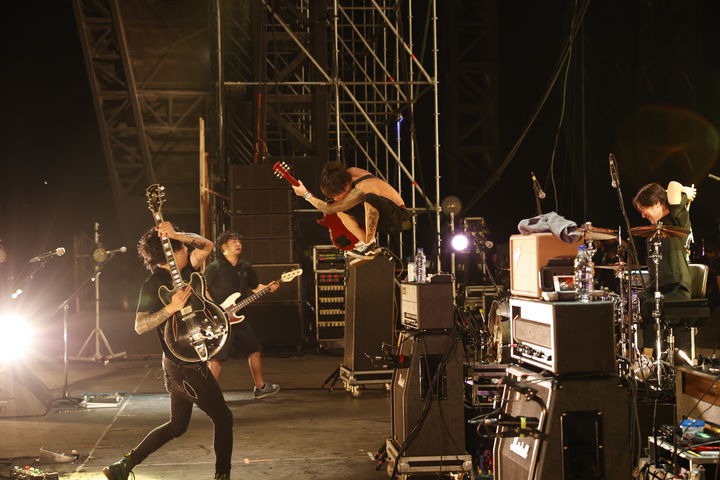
(241, 341)
(393, 218)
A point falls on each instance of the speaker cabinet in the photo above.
(22, 394)
(261, 200)
(434, 375)
(288, 291)
(586, 429)
(369, 298)
(268, 250)
(279, 326)
(263, 225)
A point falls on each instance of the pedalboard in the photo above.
(29, 473)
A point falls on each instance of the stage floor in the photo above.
(304, 431)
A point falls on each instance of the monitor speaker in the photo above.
(288, 291)
(369, 315)
(22, 394)
(584, 425)
(433, 378)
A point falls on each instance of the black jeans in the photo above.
(190, 385)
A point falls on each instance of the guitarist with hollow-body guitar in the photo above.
(164, 252)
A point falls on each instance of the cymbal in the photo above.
(597, 233)
(658, 231)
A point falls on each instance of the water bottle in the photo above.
(420, 273)
(697, 473)
(584, 271)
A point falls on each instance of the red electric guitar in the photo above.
(340, 236)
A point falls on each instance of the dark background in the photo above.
(55, 181)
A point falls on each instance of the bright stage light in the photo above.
(460, 242)
(17, 336)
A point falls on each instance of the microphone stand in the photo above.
(633, 261)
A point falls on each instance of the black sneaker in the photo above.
(222, 476)
(365, 250)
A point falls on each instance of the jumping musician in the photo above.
(364, 203)
(187, 383)
(227, 274)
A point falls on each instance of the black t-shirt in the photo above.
(224, 279)
(674, 274)
(150, 301)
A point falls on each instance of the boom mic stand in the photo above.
(101, 257)
(633, 262)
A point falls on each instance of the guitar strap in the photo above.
(364, 177)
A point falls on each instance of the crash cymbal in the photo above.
(658, 231)
(597, 233)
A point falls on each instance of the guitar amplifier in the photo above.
(528, 255)
(563, 337)
(425, 306)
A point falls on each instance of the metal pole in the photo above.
(436, 115)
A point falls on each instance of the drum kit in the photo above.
(627, 303)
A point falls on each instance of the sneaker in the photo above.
(266, 391)
(222, 476)
(120, 469)
(364, 250)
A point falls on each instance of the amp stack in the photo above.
(565, 413)
(261, 211)
(428, 435)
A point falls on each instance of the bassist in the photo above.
(227, 274)
(187, 383)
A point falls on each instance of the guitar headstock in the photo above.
(282, 170)
(289, 276)
(155, 194)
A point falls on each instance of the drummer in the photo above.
(671, 207)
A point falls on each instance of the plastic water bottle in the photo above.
(584, 271)
(420, 272)
(697, 473)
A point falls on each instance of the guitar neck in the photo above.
(247, 301)
(169, 254)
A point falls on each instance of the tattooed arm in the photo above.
(202, 246)
(146, 321)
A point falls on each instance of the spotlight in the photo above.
(18, 337)
(460, 242)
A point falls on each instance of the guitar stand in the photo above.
(334, 376)
(380, 456)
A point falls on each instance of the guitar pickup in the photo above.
(186, 310)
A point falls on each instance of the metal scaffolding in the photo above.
(305, 82)
(148, 69)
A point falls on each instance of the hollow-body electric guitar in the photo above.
(199, 330)
(232, 308)
(340, 236)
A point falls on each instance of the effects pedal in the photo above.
(30, 473)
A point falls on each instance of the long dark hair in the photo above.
(150, 248)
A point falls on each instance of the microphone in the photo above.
(484, 242)
(614, 177)
(714, 177)
(536, 185)
(100, 255)
(58, 252)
